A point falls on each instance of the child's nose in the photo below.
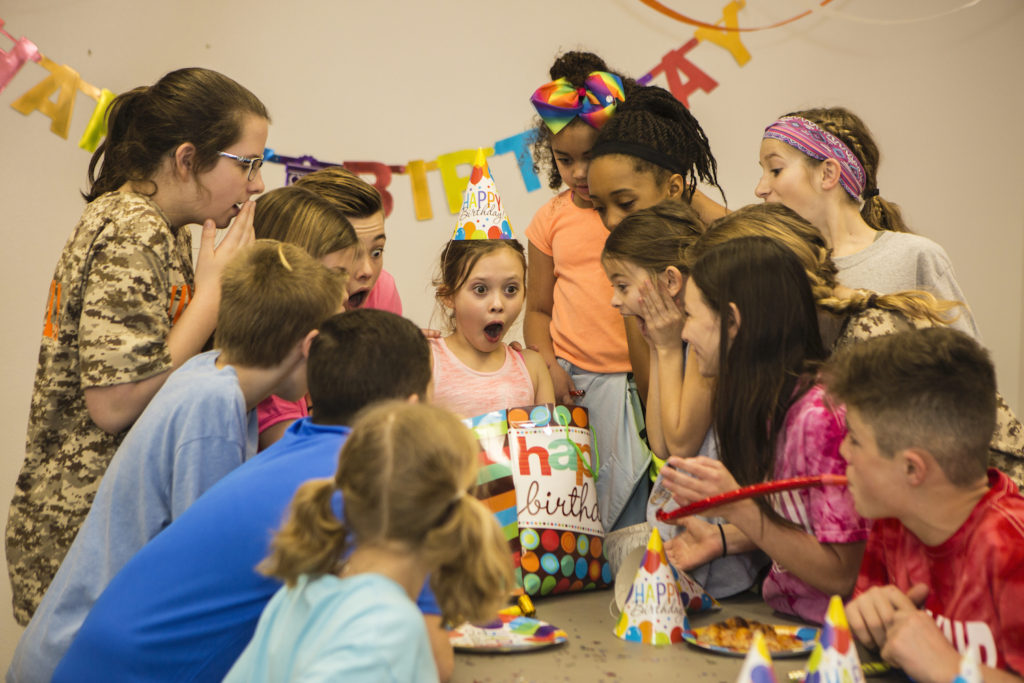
(761, 189)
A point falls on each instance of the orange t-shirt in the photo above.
(585, 329)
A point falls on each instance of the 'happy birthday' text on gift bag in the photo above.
(538, 472)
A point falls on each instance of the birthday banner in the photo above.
(54, 97)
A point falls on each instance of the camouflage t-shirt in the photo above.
(122, 280)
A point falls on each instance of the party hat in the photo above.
(835, 656)
(653, 612)
(757, 667)
(482, 216)
(970, 669)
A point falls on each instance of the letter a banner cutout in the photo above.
(538, 466)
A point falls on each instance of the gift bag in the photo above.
(538, 472)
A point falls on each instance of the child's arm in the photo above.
(829, 567)
(540, 293)
(441, 646)
(543, 390)
(114, 408)
(639, 357)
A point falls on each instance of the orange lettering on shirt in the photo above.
(52, 311)
(186, 296)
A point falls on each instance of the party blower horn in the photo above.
(653, 612)
(482, 216)
(835, 656)
(753, 491)
(757, 667)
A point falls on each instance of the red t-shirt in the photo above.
(976, 577)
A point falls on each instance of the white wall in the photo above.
(396, 81)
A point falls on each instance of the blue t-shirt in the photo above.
(194, 431)
(361, 628)
(186, 605)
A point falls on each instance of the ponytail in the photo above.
(312, 540)
(920, 307)
(474, 570)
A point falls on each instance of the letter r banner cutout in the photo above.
(538, 471)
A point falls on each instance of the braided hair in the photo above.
(651, 118)
(848, 127)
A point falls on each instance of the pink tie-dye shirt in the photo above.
(809, 445)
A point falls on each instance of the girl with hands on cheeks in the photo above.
(644, 257)
(751, 324)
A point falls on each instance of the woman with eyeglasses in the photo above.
(125, 306)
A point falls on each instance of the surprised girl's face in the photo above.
(617, 189)
(490, 299)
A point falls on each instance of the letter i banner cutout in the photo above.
(538, 470)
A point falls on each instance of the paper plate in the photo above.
(807, 635)
(506, 634)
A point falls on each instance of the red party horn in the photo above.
(753, 491)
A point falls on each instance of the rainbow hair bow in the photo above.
(559, 102)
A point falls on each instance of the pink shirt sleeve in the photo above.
(274, 409)
(384, 295)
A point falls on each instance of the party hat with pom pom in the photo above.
(653, 612)
(835, 656)
(482, 216)
(757, 667)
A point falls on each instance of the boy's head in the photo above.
(361, 204)
(272, 295)
(923, 391)
(364, 356)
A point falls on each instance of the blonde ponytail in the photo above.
(312, 540)
(474, 575)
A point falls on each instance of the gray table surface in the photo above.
(594, 653)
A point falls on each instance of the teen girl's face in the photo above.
(490, 299)
(626, 279)
(370, 259)
(224, 188)
(617, 189)
(571, 150)
(701, 330)
(345, 261)
(786, 179)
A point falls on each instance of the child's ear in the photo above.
(830, 172)
(674, 280)
(307, 342)
(734, 320)
(676, 185)
(184, 160)
(916, 465)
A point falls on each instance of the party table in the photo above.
(594, 653)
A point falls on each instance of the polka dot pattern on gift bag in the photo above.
(562, 561)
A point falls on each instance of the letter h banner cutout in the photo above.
(538, 468)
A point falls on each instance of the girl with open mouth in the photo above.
(482, 287)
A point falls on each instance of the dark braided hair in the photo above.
(574, 66)
(651, 117)
(848, 127)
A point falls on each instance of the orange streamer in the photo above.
(672, 14)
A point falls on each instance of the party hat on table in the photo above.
(970, 669)
(482, 216)
(757, 667)
(835, 656)
(653, 612)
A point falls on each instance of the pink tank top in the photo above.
(466, 392)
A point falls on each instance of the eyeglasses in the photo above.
(254, 162)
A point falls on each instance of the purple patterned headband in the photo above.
(819, 144)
